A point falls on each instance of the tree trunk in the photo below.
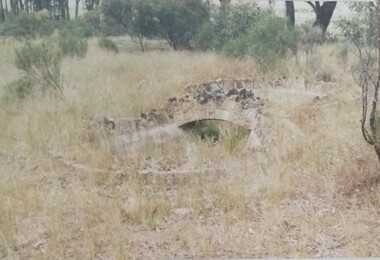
(62, 9)
(140, 38)
(323, 14)
(21, 5)
(17, 7)
(6, 6)
(290, 15)
(76, 8)
(67, 9)
(11, 3)
(2, 11)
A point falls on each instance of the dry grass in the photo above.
(306, 193)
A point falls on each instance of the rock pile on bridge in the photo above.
(216, 91)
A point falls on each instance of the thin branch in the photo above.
(312, 5)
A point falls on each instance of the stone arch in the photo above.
(229, 100)
(246, 119)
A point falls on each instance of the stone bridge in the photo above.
(231, 100)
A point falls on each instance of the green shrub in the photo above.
(233, 138)
(91, 23)
(268, 42)
(108, 44)
(226, 26)
(237, 47)
(205, 38)
(272, 39)
(73, 43)
(362, 27)
(180, 20)
(235, 22)
(175, 21)
(29, 25)
(40, 62)
(132, 17)
(207, 130)
(18, 89)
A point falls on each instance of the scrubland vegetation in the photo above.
(311, 190)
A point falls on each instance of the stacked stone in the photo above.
(219, 92)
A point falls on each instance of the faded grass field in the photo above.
(312, 191)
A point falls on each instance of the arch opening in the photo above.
(221, 133)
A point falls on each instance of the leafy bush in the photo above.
(41, 63)
(268, 41)
(18, 89)
(205, 38)
(73, 42)
(235, 22)
(29, 25)
(180, 20)
(207, 130)
(360, 29)
(175, 21)
(91, 23)
(133, 17)
(32, 25)
(272, 39)
(233, 138)
(226, 26)
(108, 44)
(237, 47)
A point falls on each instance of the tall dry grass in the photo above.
(304, 194)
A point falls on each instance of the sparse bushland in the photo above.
(304, 194)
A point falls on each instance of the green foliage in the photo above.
(73, 42)
(132, 17)
(108, 44)
(237, 47)
(233, 138)
(361, 28)
(80, 27)
(235, 22)
(29, 25)
(226, 26)
(176, 21)
(230, 137)
(18, 89)
(180, 20)
(272, 39)
(91, 22)
(205, 38)
(40, 62)
(33, 25)
(207, 130)
(268, 41)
